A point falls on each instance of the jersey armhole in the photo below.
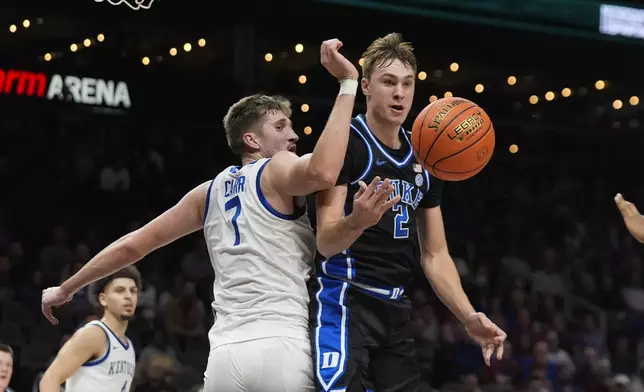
(297, 211)
(369, 164)
(205, 211)
(98, 361)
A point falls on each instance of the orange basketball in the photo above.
(453, 139)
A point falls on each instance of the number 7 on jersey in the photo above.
(236, 204)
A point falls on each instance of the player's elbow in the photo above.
(325, 247)
(133, 248)
(50, 382)
(321, 178)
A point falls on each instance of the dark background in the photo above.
(539, 243)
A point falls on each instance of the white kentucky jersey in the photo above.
(262, 260)
(113, 372)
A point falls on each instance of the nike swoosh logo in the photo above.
(380, 162)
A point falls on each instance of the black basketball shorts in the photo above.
(361, 340)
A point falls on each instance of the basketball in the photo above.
(453, 139)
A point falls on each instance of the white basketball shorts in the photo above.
(277, 364)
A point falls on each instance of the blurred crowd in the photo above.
(539, 247)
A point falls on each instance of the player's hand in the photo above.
(336, 63)
(632, 218)
(487, 334)
(53, 297)
(371, 202)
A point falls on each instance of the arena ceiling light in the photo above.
(75, 47)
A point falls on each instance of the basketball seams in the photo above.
(445, 127)
(489, 127)
(463, 172)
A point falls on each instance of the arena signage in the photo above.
(81, 90)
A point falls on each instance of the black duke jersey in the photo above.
(385, 254)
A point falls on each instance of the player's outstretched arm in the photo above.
(633, 220)
(446, 282)
(182, 219)
(291, 175)
(336, 232)
(86, 344)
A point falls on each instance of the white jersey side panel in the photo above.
(262, 260)
(111, 373)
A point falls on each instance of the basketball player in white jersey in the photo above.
(261, 244)
(99, 357)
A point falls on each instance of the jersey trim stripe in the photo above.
(367, 169)
(94, 362)
(205, 212)
(297, 212)
(375, 140)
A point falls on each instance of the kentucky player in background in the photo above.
(260, 241)
(99, 357)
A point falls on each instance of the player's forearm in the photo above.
(327, 158)
(50, 383)
(334, 237)
(116, 256)
(443, 276)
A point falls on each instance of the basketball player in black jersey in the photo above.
(361, 327)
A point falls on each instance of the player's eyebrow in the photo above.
(390, 75)
(283, 121)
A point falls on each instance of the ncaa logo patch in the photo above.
(419, 179)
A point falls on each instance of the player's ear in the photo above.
(251, 140)
(364, 84)
(102, 299)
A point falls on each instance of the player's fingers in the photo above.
(499, 351)
(622, 205)
(385, 194)
(372, 187)
(392, 202)
(363, 188)
(381, 189)
(46, 310)
(487, 354)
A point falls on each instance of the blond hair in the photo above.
(247, 113)
(384, 51)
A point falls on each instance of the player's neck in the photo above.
(250, 158)
(117, 326)
(385, 131)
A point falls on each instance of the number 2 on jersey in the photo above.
(401, 218)
(236, 204)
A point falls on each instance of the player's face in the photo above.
(390, 92)
(6, 369)
(277, 135)
(120, 298)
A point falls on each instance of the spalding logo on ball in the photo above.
(453, 139)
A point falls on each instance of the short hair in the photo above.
(99, 287)
(249, 111)
(5, 348)
(385, 50)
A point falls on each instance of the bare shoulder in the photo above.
(90, 334)
(279, 166)
(283, 159)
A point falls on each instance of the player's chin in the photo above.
(127, 316)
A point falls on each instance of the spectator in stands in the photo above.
(6, 367)
(184, 318)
